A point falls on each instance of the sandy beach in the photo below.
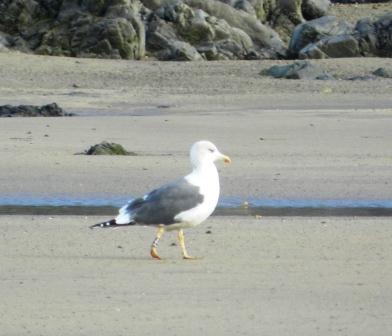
(269, 276)
(258, 276)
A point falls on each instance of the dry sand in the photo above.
(114, 87)
(269, 276)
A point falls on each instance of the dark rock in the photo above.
(106, 148)
(383, 72)
(383, 31)
(316, 30)
(312, 9)
(333, 46)
(50, 110)
(375, 38)
(297, 70)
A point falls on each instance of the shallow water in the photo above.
(62, 205)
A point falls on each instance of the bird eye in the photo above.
(211, 150)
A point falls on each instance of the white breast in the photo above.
(207, 179)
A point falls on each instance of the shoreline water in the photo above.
(258, 211)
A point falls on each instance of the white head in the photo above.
(204, 152)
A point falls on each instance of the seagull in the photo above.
(180, 204)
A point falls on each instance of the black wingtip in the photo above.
(110, 224)
(104, 225)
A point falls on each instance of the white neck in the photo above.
(204, 174)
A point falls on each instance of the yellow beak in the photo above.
(226, 159)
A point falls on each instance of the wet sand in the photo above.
(269, 276)
(315, 154)
(288, 139)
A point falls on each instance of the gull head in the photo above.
(206, 152)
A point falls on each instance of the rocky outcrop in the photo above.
(81, 28)
(177, 31)
(50, 110)
(226, 29)
(188, 30)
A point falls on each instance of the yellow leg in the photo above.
(181, 239)
(154, 245)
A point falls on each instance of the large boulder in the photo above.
(332, 47)
(313, 31)
(82, 28)
(263, 37)
(375, 37)
(312, 9)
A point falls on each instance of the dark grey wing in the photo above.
(161, 205)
